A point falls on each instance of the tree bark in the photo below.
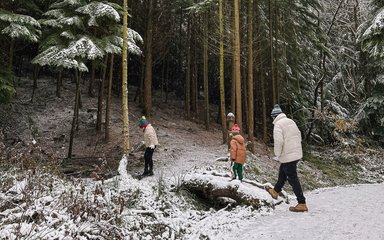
(148, 61)
(204, 186)
(75, 114)
(59, 83)
(239, 114)
(125, 80)
(101, 96)
(250, 112)
(91, 86)
(109, 97)
(272, 58)
(222, 84)
(205, 60)
(11, 51)
(188, 73)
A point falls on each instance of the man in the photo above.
(150, 141)
(288, 151)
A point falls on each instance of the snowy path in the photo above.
(342, 213)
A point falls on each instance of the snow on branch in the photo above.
(18, 18)
(97, 10)
(85, 48)
(15, 30)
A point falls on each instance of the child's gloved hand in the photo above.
(275, 158)
(152, 146)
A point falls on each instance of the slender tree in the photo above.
(148, 60)
(101, 95)
(250, 112)
(237, 66)
(109, 97)
(205, 63)
(125, 80)
(222, 86)
(272, 58)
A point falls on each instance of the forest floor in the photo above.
(47, 120)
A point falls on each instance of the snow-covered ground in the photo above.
(34, 204)
(44, 207)
(353, 212)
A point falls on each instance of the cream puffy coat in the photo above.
(287, 139)
(150, 137)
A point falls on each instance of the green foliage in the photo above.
(374, 112)
(6, 87)
(19, 26)
(78, 31)
(371, 39)
(371, 35)
(330, 170)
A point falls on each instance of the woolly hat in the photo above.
(276, 111)
(143, 122)
(235, 128)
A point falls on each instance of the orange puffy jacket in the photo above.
(237, 150)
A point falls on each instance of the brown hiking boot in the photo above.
(272, 192)
(301, 207)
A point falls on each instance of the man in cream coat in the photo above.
(288, 151)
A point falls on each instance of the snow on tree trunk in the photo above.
(213, 187)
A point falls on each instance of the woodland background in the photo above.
(65, 89)
(322, 61)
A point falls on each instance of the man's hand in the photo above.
(275, 158)
(152, 146)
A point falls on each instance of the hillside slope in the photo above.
(184, 144)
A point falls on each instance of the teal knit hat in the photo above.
(276, 111)
(143, 122)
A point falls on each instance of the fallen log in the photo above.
(211, 187)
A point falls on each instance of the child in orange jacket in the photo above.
(237, 152)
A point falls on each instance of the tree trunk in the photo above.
(75, 114)
(273, 80)
(167, 83)
(239, 114)
(276, 53)
(205, 60)
(261, 77)
(204, 185)
(125, 80)
(222, 85)
(148, 61)
(101, 96)
(36, 70)
(251, 112)
(194, 69)
(91, 86)
(59, 83)
(109, 97)
(188, 73)
(10, 60)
